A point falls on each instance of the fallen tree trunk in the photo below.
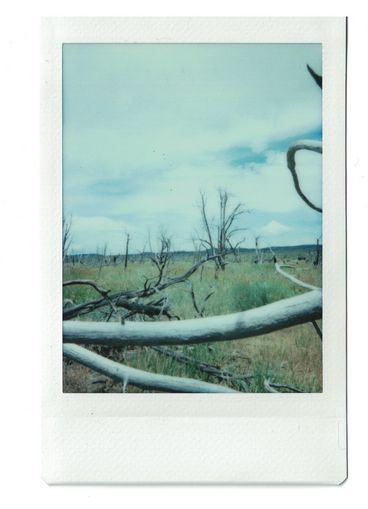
(293, 279)
(254, 322)
(136, 377)
(123, 296)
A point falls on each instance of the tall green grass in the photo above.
(291, 356)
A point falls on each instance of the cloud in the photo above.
(146, 127)
(274, 228)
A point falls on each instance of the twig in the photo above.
(268, 386)
(88, 282)
(199, 310)
(104, 293)
(318, 330)
(202, 366)
(271, 387)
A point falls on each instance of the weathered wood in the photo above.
(293, 279)
(314, 146)
(204, 367)
(272, 387)
(136, 377)
(254, 322)
(147, 291)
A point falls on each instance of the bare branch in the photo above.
(104, 293)
(317, 78)
(315, 146)
(318, 330)
(147, 291)
(136, 377)
(88, 282)
(203, 367)
(272, 387)
(157, 308)
(294, 279)
(268, 386)
(254, 322)
(66, 227)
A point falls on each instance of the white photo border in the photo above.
(194, 438)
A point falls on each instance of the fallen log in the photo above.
(137, 377)
(254, 322)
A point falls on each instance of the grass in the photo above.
(292, 356)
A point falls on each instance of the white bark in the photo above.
(293, 279)
(254, 322)
(136, 377)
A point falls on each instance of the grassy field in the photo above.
(291, 356)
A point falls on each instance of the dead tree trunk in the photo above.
(225, 230)
(316, 260)
(126, 251)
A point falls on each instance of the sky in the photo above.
(148, 127)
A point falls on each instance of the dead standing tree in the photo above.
(259, 252)
(225, 230)
(66, 227)
(318, 252)
(126, 251)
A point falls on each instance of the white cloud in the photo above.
(157, 120)
(274, 228)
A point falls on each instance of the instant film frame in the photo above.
(197, 438)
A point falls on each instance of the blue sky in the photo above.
(146, 127)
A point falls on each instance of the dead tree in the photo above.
(102, 258)
(316, 260)
(126, 251)
(259, 252)
(152, 286)
(162, 257)
(66, 226)
(221, 243)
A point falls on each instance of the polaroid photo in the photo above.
(194, 250)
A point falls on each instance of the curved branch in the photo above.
(136, 377)
(254, 322)
(317, 77)
(87, 282)
(294, 279)
(314, 146)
